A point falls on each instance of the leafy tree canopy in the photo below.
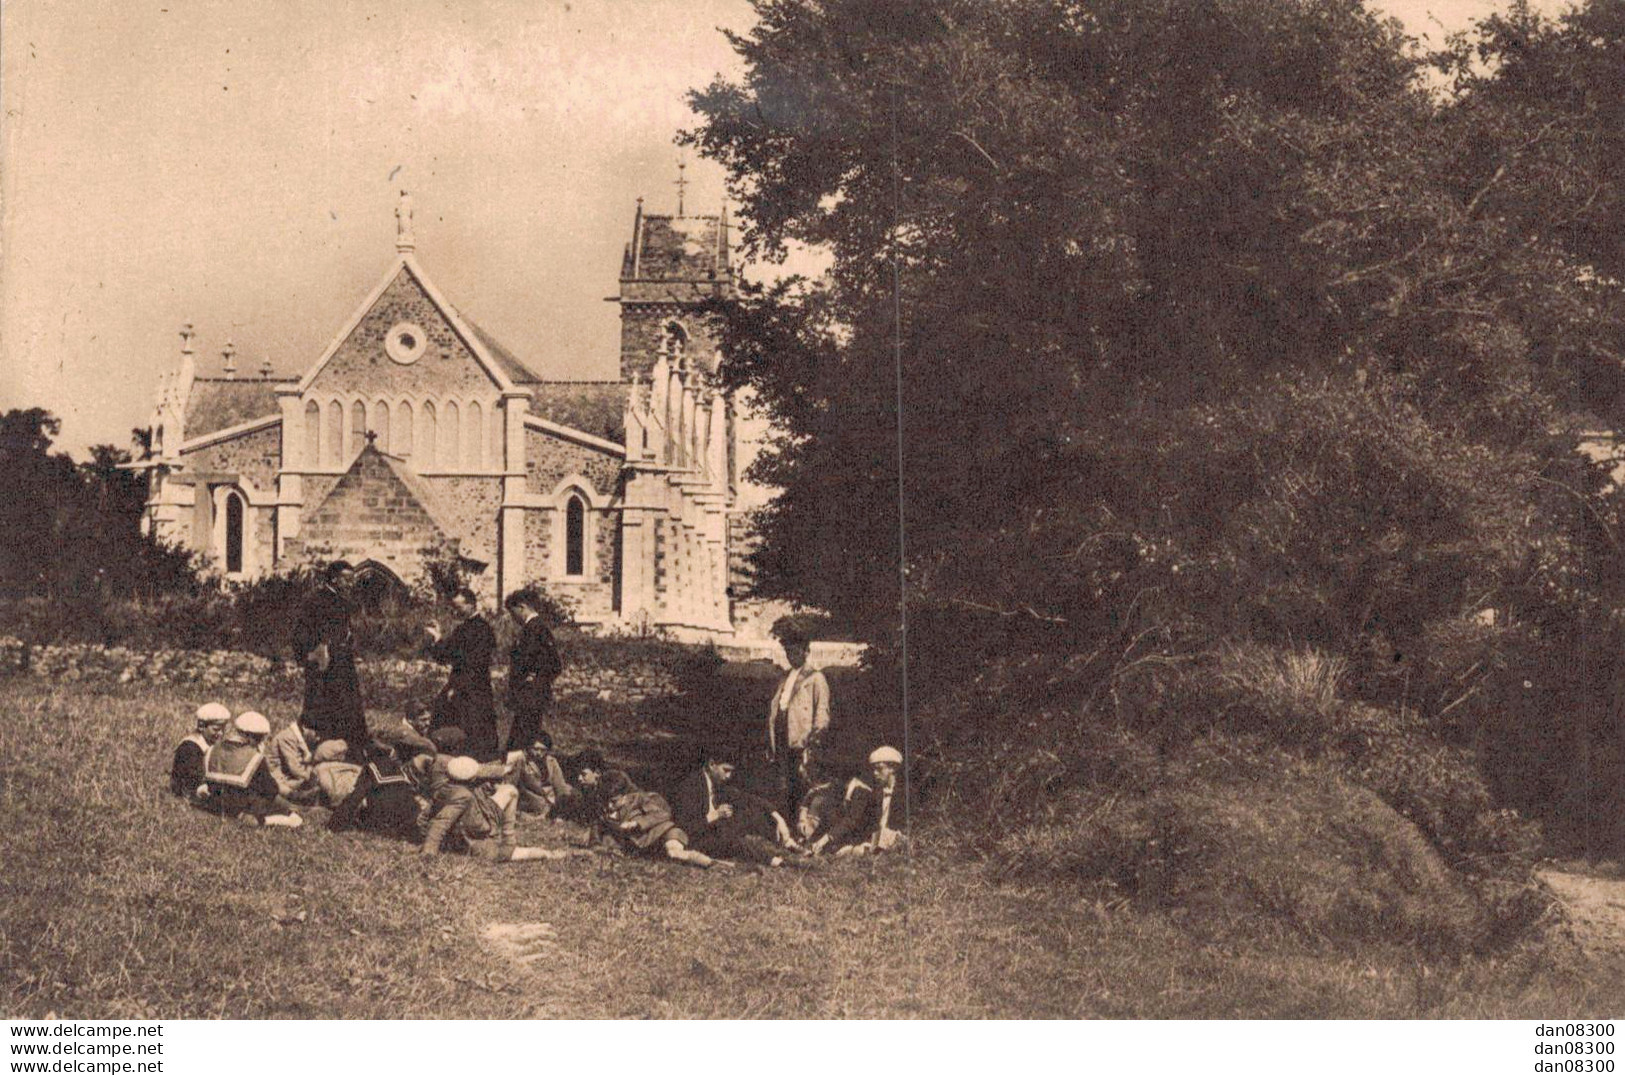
(73, 530)
(1158, 284)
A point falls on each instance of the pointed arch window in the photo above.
(234, 534)
(674, 341)
(358, 426)
(401, 444)
(575, 536)
(313, 433)
(449, 433)
(427, 435)
(333, 443)
(380, 424)
(473, 435)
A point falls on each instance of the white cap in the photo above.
(885, 754)
(213, 713)
(252, 723)
(462, 769)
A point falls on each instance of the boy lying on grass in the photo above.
(636, 821)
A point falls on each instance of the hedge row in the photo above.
(628, 672)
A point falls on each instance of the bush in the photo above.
(1122, 778)
(1232, 841)
(256, 617)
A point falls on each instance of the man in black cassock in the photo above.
(467, 701)
(533, 665)
(325, 647)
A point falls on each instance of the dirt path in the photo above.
(1596, 908)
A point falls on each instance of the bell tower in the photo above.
(672, 265)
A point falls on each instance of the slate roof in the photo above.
(679, 248)
(517, 371)
(218, 403)
(596, 407)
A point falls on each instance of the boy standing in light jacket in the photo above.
(798, 719)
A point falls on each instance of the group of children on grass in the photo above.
(418, 782)
(415, 784)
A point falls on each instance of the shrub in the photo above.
(1235, 840)
(1133, 762)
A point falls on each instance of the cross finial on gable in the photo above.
(372, 438)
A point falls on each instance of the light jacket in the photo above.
(291, 760)
(806, 716)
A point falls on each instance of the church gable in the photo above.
(376, 511)
(406, 343)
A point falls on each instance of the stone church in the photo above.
(416, 435)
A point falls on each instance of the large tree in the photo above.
(1211, 309)
(73, 530)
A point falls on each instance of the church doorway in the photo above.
(376, 586)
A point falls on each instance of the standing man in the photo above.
(467, 701)
(324, 645)
(533, 665)
(798, 719)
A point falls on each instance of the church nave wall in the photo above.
(256, 456)
(472, 505)
(550, 459)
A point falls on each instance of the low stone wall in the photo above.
(629, 681)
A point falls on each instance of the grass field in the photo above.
(116, 901)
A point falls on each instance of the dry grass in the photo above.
(1304, 680)
(118, 902)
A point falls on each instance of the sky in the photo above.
(237, 166)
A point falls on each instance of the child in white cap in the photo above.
(186, 768)
(238, 783)
(869, 810)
